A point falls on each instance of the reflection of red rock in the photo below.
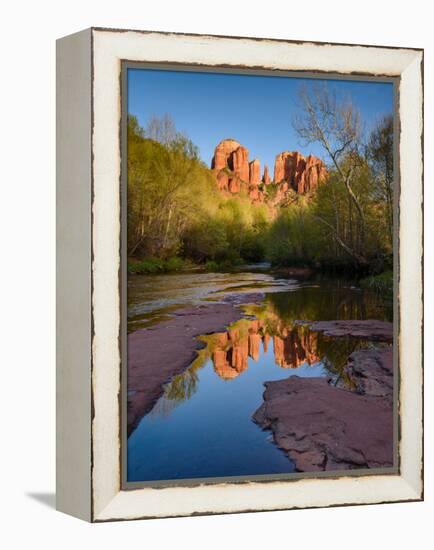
(240, 159)
(266, 340)
(300, 173)
(254, 346)
(255, 194)
(294, 349)
(156, 356)
(232, 349)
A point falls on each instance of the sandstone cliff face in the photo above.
(266, 177)
(255, 172)
(300, 173)
(292, 171)
(229, 154)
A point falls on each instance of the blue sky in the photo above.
(255, 110)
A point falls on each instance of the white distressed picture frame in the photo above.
(89, 269)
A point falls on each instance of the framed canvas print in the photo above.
(239, 267)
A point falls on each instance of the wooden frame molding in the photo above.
(89, 267)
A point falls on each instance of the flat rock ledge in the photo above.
(158, 353)
(322, 427)
(369, 329)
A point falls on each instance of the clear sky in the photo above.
(255, 110)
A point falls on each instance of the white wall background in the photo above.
(27, 197)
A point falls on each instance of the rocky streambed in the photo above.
(325, 427)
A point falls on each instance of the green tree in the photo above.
(379, 153)
(336, 126)
(167, 188)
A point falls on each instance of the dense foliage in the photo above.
(176, 215)
(174, 208)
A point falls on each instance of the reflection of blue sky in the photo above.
(212, 433)
(255, 110)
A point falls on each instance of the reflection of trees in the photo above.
(335, 353)
(319, 304)
(183, 386)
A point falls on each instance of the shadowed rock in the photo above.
(372, 372)
(369, 329)
(266, 177)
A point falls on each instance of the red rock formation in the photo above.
(266, 340)
(235, 184)
(240, 160)
(266, 177)
(292, 170)
(231, 155)
(255, 172)
(292, 348)
(222, 181)
(302, 174)
(255, 194)
(255, 339)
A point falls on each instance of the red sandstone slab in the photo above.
(370, 329)
(322, 427)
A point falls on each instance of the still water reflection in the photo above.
(201, 427)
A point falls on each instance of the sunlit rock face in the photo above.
(233, 156)
(303, 175)
(292, 172)
(230, 355)
(266, 177)
(255, 172)
(231, 166)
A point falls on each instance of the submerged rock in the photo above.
(322, 427)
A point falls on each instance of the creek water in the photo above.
(202, 426)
